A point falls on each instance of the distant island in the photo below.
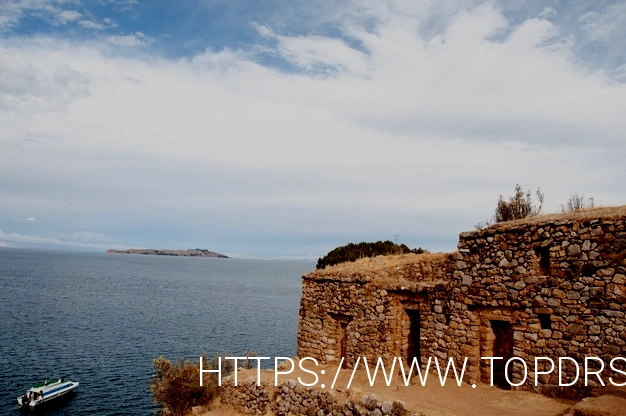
(196, 252)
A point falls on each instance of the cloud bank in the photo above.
(383, 121)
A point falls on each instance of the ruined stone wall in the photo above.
(558, 287)
(292, 398)
(354, 315)
(248, 396)
(551, 287)
(345, 318)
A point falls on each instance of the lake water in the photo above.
(100, 320)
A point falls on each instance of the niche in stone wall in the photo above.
(543, 260)
(545, 321)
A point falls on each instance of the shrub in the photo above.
(576, 202)
(353, 252)
(249, 363)
(176, 387)
(518, 206)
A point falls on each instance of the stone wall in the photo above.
(553, 286)
(362, 312)
(293, 399)
(248, 396)
(549, 288)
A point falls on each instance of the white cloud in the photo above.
(31, 219)
(13, 11)
(130, 40)
(97, 24)
(318, 52)
(67, 16)
(411, 134)
(26, 87)
(91, 24)
(547, 13)
(605, 24)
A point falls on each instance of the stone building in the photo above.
(551, 286)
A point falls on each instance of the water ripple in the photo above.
(101, 319)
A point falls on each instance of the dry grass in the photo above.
(580, 215)
(380, 266)
(387, 266)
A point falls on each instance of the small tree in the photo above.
(518, 206)
(576, 202)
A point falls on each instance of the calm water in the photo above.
(100, 320)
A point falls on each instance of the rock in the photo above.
(399, 408)
(573, 250)
(370, 402)
(386, 408)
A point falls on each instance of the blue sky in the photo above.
(287, 128)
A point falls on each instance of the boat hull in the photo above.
(39, 395)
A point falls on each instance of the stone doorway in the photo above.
(502, 347)
(413, 339)
(343, 339)
(339, 331)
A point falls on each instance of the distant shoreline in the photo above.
(197, 252)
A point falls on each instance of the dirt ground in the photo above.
(432, 399)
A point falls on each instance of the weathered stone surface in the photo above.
(399, 408)
(557, 284)
(289, 398)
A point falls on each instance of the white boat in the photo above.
(46, 391)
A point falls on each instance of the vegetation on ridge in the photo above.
(353, 252)
(176, 387)
(577, 202)
(521, 205)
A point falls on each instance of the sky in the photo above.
(285, 128)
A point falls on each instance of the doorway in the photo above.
(343, 339)
(413, 341)
(339, 331)
(502, 347)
